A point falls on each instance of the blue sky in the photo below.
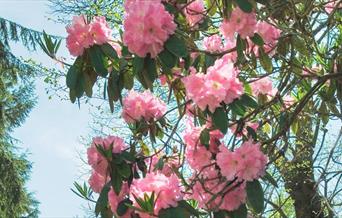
(52, 131)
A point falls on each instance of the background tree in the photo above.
(17, 98)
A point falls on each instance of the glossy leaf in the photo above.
(255, 196)
(220, 120)
(176, 46)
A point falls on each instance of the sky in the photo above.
(51, 133)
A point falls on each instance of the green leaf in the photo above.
(174, 212)
(102, 201)
(257, 39)
(109, 51)
(209, 60)
(300, 45)
(128, 156)
(167, 59)
(220, 120)
(97, 58)
(88, 84)
(205, 137)
(238, 108)
(116, 183)
(184, 204)
(241, 212)
(248, 101)
(176, 46)
(255, 196)
(128, 80)
(245, 5)
(124, 170)
(73, 73)
(151, 69)
(265, 60)
(240, 47)
(220, 214)
(159, 165)
(122, 206)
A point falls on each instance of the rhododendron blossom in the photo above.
(169, 164)
(114, 200)
(269, 34)
(95, 158)
(194, 12)
(240, 22)
(213, 43)
(137, 106)
(167, 189)
(329, 7)
(246, 163)
(97, 181)
(82, 35)
(219, 84)
(147, 25)
(227, 197)
(262, 86)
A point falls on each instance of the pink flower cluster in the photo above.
(246, 163)
(82, 35)
(98, 163)
(170, 163)
(147, 25)
(219, 84)
(115, 199)
(269, 34)
(197, 155)
(194, 12)
(329, 7)
(240, 22)
(262, 86)
(211, 183)
(167, 189)
(137, 106)
(213, 43)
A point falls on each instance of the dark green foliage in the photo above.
(16, 101)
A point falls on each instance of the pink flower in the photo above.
(329, 7)
(147, 25)
(115, 199)
(262, 86)
(100, 31)
(213, 43)
(211, 183)
(197, 155)
(239, 22)
(170, 163)
(246, 162)
(233, 199)
(228, 162)
(167, 189)
(95, 158)
(137, 106)
(194, 12)
(269, 34)
(252, 162)
(82, 35)
(219, 84)
(97, 181)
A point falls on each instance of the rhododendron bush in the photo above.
(207, 90)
